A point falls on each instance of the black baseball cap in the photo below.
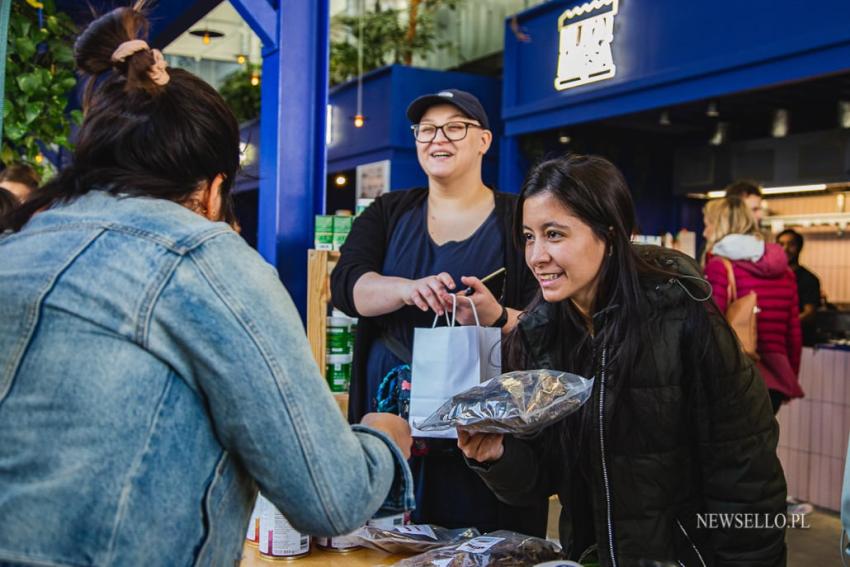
(466, 102)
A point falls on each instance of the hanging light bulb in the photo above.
(719, 136)
(359, 120)
(241, 59)
(255, 79)
(844, 113)
(664, 119)
(711, 110)
(779, 128)
(206, 35)
(340, 180)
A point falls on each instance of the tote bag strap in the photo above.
(731, 288)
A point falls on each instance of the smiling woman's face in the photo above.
(443, 159)
(562, 251)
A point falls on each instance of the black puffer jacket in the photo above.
(677, 439)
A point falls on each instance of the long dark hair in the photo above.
(594, 190)
(139, 137)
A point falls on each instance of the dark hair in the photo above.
(21, 173)
(743, 188)
(137, 136)
(8, 201)
(798, 238)
(594, 190)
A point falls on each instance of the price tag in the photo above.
(480, 544)
(423, 530)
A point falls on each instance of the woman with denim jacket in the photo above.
(678, 435)
(154, 373)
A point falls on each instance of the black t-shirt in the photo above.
(808, 290)
(808, 287)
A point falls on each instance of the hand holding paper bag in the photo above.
(448, 360)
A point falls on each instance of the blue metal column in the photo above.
(511, 165)
(292, 132)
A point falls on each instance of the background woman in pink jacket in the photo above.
(731, 232)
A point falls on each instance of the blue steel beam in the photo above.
(262, 18)
(293, 102)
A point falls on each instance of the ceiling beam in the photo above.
(262, 18)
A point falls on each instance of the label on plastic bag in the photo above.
(480, 544)
(423, 530)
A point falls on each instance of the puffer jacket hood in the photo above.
(739, 247)
(773, 265)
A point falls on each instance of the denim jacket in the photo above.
(154, 374)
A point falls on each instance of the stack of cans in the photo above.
(340, 346)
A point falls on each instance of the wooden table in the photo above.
(318, 557)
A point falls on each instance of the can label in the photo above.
(338, 372)
(324, 235)
(338, 339)
(338, 543)
(253, 535)
(277, 536)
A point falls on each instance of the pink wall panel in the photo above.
(814, 430)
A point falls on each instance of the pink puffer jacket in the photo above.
(778, 322)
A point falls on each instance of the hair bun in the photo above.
(95, 45)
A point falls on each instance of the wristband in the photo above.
(502, 320)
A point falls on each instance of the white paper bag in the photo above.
(447, 361)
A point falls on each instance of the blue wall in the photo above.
(666, 52)
(669, 52)
(386, 133)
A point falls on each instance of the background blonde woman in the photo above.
(731, 232)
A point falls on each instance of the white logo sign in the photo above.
(585, 46)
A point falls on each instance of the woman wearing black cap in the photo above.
(406, 253)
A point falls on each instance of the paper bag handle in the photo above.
(451, 323)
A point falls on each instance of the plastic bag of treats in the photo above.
(523, 403)
(496, 549)
(411, 538)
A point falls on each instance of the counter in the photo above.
(358, 558)
(813, 431)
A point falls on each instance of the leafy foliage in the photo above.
(39, 75)
(388, 37)
(242, 96)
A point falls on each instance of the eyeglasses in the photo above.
(453, 131)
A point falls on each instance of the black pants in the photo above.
(776, 399)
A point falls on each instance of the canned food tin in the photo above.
(278, 539)
(338, 372)
(338, 336)
(340, 544)
(253, 536)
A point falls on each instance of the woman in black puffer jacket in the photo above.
(674, 456)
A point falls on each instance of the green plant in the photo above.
(39, 75)
(389, 36)
(241, 91)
